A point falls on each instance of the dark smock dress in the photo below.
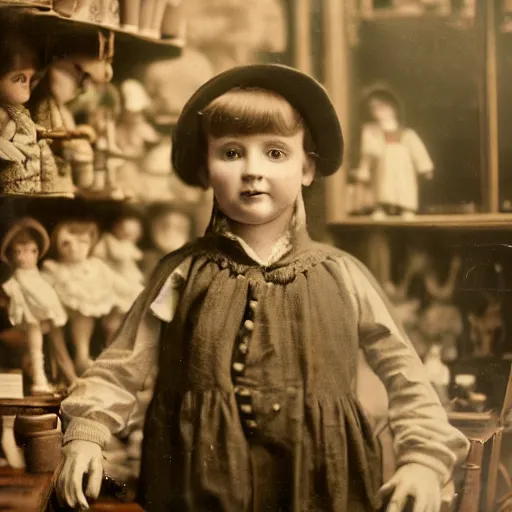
(254, 406)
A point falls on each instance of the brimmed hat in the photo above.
(303, 93)
(43, 242)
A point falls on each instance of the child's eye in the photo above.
(19, 79)
(231, 154)
(276, 154)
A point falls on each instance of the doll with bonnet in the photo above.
(87, 287)
(33, 302)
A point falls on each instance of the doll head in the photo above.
(170, 227)
(73, 241)
(18, 65)
(382, 106)
(128, 227)
(24, 244)
(259, 153)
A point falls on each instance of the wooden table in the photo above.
(24, 492)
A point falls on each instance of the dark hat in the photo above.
(304, 93)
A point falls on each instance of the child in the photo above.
(256, 330)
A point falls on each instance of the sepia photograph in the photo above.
(255, 256)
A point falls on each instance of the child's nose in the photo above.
(252, 167)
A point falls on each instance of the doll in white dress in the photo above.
(118, 249)
(392, 156)
(86, 286)
(33, 303)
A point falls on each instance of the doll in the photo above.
(33, 302)
(392, 156)
(102, 117)
(134, 135)
(86, 286)
(27, 165)
(169, 228)
(118, 249)
(66, 79)
(255, 331)
(133, 132)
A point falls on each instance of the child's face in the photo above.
(257, 178)
(15, 86)
(25, 255)
(73, 247)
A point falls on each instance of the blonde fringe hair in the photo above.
(252, 111)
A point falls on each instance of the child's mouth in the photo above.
(251, 193)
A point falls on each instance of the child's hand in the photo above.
(80, 457)
(419, 482)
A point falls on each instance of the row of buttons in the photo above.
(243, 396)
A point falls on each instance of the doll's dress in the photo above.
(89, 287)
(398, 159)
(32, 299)
(19, 140)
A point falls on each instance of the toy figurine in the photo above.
(392, 156)
(255, 331)
(133, 131)
(102, 118)
(27, 165)
(86, 286)
(170, 227)
(33, 302)
(64, 81)
(134, 135)
(438, 373)
(118, 249)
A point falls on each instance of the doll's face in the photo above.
(256, 179)
(170, 231)
(73, 247)
(25, 255)
(128, 229)
(15, 86)
(381, 111)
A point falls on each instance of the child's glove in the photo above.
(413, 480)
(80, 457)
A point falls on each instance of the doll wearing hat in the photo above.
(255, 330)
(32, 300)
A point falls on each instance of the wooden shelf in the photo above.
(455, 221)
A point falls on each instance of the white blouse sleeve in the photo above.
(101, 402)
(421, 431)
